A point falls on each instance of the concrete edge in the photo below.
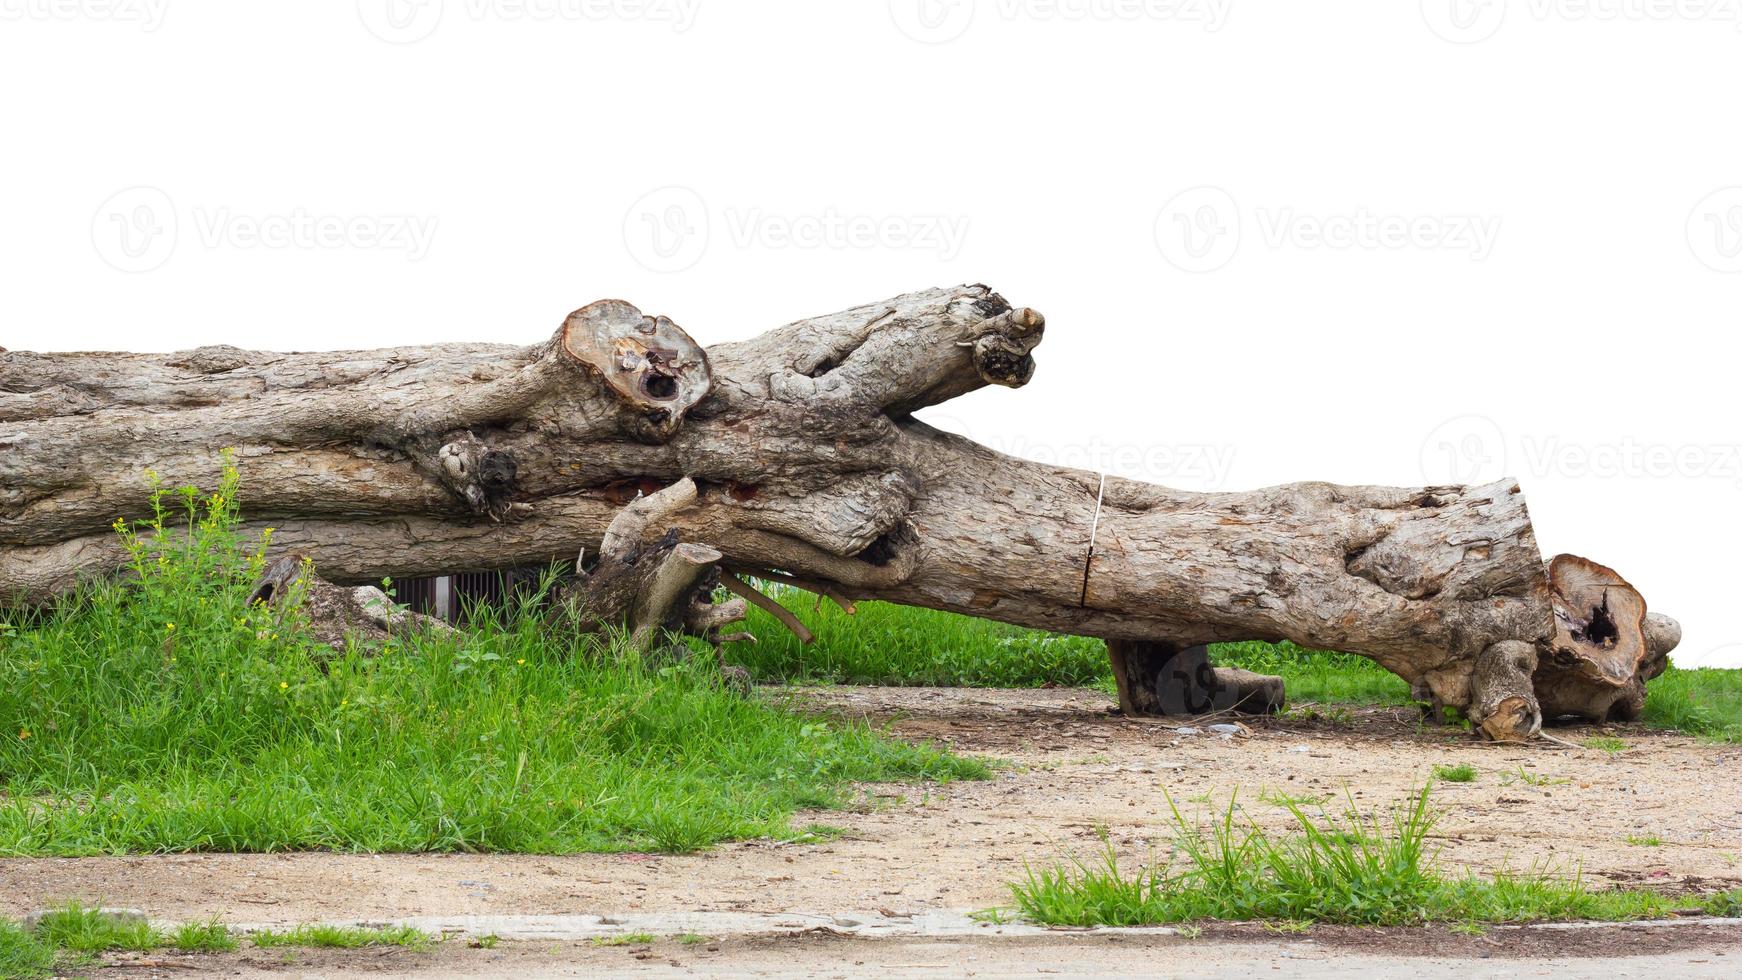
(864, 925)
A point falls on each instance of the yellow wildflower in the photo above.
(282, 686)
(23, 733)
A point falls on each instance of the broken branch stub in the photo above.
(647, 361)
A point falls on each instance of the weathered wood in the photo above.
(1503, 702)
(806, 461)
(1605, 644)
(650, 588)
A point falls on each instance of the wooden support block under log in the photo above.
(1166, 679)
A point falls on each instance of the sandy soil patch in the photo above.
(1073, 768)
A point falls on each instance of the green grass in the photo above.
(86, 930)
(1702, 701)
(73, 934)
(22, 954)
(1605, 743)
(1649, 840)
(1316, 675)
(166, 715)
(341, 937)
(1463, 772)
(1525, 776)
(625, 939)
(1352, 869)
(906, 646)
(202, 937)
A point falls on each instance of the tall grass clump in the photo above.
(162, 712)
(72, 935)
(1352, 869)
(22, 954)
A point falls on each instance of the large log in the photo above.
(806, 461)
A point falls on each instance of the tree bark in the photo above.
(805, 459)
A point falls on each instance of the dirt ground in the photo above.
(1332, 954)
(1072, 768)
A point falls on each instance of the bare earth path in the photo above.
(909, 850)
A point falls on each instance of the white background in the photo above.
(1362, 242)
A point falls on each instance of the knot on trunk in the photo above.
(652, 367)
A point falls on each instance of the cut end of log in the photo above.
(1599, 619)
(648, 362)
(1604, 645)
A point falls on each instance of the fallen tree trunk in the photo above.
(806, 461)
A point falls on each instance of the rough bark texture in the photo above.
(805, 460)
